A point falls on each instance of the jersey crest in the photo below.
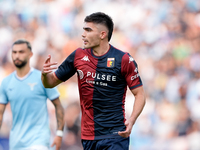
(110, 62)
(32, 85)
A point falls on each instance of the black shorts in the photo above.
(106, 144)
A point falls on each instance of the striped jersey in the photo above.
(102, 82)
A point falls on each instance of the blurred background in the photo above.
(163, 36)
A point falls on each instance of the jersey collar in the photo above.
(22, 78)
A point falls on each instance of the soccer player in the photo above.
(103, 75)
(28, 99)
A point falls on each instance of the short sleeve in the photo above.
(66, 69)
(129, 70)
(52, 93)
(3, 95)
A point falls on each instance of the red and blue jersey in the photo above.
(102, 82)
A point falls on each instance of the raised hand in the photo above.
(48, 67)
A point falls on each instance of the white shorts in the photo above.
(37, 147)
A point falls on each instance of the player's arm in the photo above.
(138, 106)
(60, 123)
(2, 109)
(139, 103)
(48, 77)
(59, 113)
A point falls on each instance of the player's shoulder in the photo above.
(80, 52)
(35, 72)
(80, 49)
(35, 75)
(125, 56)
(118, 54)
(8, 78)
(118, 51)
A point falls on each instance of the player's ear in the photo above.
(103, 35)
(31, 54)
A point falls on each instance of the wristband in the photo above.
(59, 133)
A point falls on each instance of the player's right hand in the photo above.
(57, 142)
(48, 67)
(127, 132)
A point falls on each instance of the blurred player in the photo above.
(28, 99)
(103, 75)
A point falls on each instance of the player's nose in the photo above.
(83, 34)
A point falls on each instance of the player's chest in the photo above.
(18, 89)
(106, 69)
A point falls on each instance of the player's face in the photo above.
(91, 35)
(20, 55)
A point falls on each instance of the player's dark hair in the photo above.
(22, 41)
(101, 18)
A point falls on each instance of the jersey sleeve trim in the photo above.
(52, 99)
(136, 86)
(3, 102)
(57, 76)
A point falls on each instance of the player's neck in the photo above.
(101, 50)
(21, 72)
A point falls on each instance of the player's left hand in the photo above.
(57, 141)
(48, 66)
(127, 132)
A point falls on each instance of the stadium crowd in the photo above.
(163, 36)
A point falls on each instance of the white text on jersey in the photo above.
(101, 76)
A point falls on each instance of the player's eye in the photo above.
(21, 52)
(88, 29)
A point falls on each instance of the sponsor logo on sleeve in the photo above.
(135, 76)
(130, 59)
(136, 70)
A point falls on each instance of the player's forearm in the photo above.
(60, 117)
(48, 80)
(139, 104)
(2, 109)
(1, 119)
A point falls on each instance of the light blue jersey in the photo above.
(28, 100)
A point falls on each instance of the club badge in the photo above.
(110, 62)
